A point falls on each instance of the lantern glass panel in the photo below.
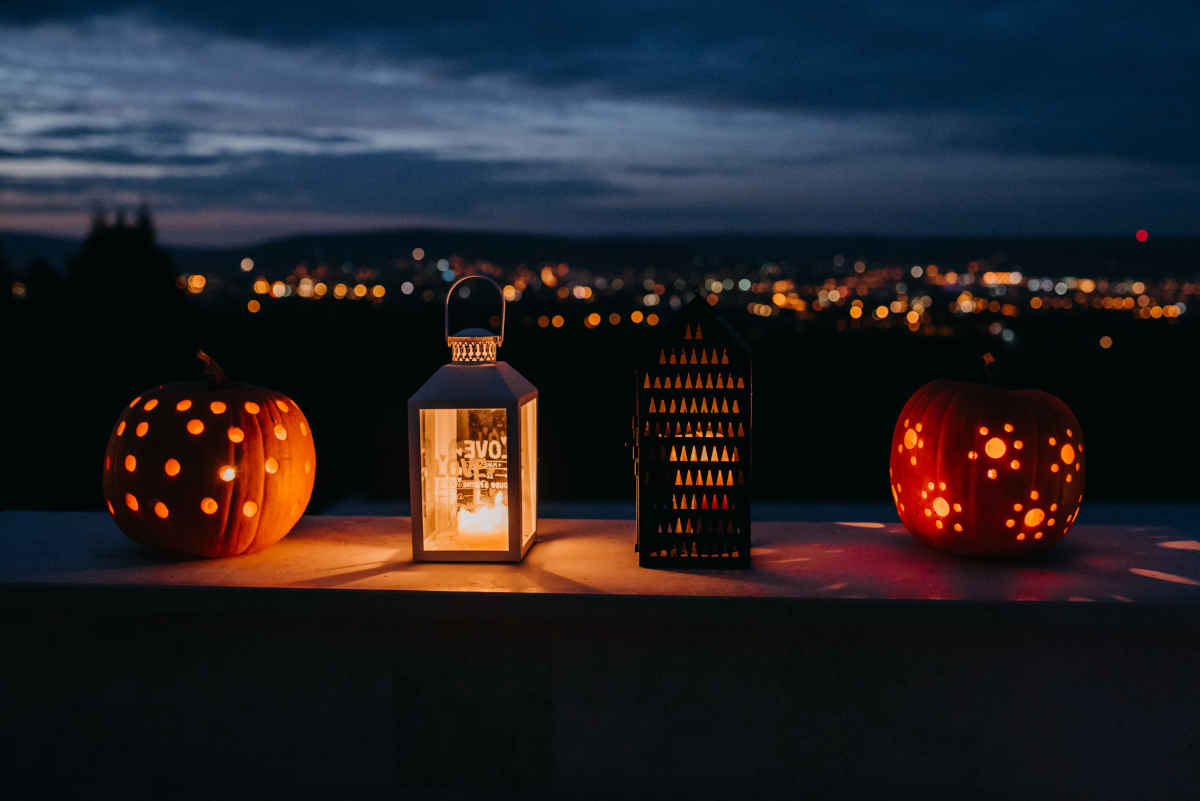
(528, 469)
(464, 477)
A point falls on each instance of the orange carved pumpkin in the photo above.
(977, 469)
(210, 469)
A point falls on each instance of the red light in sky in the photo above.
(1142, 235)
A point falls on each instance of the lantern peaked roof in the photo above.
(715, 328)
(473, 386)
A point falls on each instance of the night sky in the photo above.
(237, 121)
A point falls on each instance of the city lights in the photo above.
(914, 299)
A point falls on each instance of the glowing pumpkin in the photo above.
(210, 469)
(976, 469)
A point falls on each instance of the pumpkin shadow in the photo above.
(1066, 554)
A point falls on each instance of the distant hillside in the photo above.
(19, 249)
(1044, 255)
(1049, 255)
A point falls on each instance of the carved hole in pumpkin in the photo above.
(1067, 453)
(1034, 518)
(1054, 507)
(1054, 468)
(280, 432)
(1018, 507)
(941, 507)
(995, 447)
(1069, 478)
(208, 506)
(942, 486)
(303, 429)
(130, 463)
(142, 428)
(1014, 464)
(272, 466)
(172, 467)
(1050, 522)
(958, 507)
(910, 439)
(236, 434)
(913, 461)
(249, 508)
(929, 486)
(991, 473)
(958, 526)
(161, 510)
(1033, 495)
(195, 426)
(227, 473)
(121, 429)
(1008, 427)
(111, 511)
(1021, 536)
(217, 407)
(972, 455)
(939, 524)
(918, 428)
(1037, 535)
(1053, 442)
(1010, 523)
(1070, 433)
(283, 407)
(131, 501)
(1018, 444)
(134, 402)
(251, 407)
(150, 404)
(183, 405)
(983, 431)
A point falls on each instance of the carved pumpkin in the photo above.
(977, 469)
(210, 469)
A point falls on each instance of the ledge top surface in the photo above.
(850, 559)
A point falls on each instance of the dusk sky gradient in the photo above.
(240, 121)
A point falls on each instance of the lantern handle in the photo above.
(450, 294)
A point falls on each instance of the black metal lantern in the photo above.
(692, 445)
(472, 431)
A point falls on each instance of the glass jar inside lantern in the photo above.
(473, 453)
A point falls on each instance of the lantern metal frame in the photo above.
(674, 528)
(476, 380)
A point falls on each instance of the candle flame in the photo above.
(486, 519)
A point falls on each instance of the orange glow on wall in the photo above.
(965, 479)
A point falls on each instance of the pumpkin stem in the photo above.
(216, 375)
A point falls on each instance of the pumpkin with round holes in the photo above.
(977, 469)
(209, 469)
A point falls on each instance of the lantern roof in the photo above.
(716, 329)
(473, 386)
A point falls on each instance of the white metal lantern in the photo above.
(472, 433)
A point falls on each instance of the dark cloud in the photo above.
(1102, 78)
(377, 183)
(897, 117)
